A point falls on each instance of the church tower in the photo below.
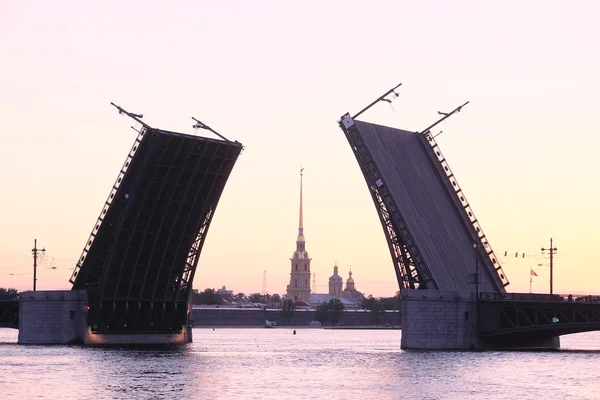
(335, 283)
(350, 282)
(299, 287)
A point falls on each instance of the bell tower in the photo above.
(335, 282)
(299, 287)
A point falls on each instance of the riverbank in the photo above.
(363, 327)
(281, 327)
(255, 318)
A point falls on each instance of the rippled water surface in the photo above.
(313, 364)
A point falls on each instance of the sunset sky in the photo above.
(276, 76)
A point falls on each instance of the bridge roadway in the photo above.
(434, 210)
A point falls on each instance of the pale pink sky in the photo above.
(276, 76)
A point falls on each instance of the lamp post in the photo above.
(552, 251)
(476, 247)
(35, 252)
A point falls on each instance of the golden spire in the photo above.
(300, 227)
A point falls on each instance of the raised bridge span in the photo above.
(432, 232)
(140, 259)
(133, 280)
(453, 285)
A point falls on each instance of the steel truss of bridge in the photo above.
(139, 261)
(437, 243)
(534, 315)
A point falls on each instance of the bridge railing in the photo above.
(520, 296)
(462, 205)
(540, 315)
(108, 202)
(539, 297)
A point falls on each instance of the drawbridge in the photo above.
(139, 261)
(436, 242)
(434, 238)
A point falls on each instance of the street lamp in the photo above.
(35, 252)
(476, 247)
(552, 251)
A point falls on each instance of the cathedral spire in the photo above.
(299, 287)
(300, 224)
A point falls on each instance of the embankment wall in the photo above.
(210, 317)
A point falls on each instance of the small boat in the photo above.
(270, 324)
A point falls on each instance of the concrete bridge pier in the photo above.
(449, 320)
(52, 316)
(438, 320)
(59, 317)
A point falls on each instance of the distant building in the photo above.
(350, 297)
(224, 292)
(316, 299)
(335, 283)
(299, 287)
(350, 292)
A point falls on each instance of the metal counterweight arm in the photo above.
(135, 117)
(380, 98)
(445, 115)
(201, 125)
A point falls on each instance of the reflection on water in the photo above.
(314, 363)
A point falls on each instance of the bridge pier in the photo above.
(439, 320)
(59, 317)
(52, 316)
(134, 339)
(453, 320)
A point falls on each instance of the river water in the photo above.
(313, 364)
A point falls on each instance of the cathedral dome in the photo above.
(350, 282)
(355, 295)
(350, 278)
(335, 278)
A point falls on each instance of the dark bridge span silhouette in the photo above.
(438, 248)
(139, 261)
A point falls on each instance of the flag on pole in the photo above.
(533, 273)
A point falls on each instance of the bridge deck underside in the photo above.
(139, 263)
(424, 202)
